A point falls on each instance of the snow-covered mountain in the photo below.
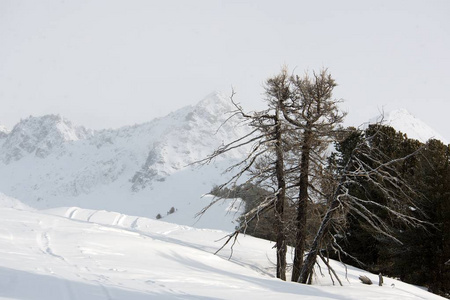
(405, 122)
(142, 169)
(3, 132)
(40, 137)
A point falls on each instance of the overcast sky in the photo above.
(111, 63)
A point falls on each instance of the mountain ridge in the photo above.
(128, 169)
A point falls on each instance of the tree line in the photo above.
(376, 187)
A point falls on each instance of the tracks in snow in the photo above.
(103, 217)
(44, 241)
(119, 220)
(71, 212)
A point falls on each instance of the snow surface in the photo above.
(74, 253)
(414, 128)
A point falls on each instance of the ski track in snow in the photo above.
(134, 225)
(90, 217)
(120, 219)
(71, 212)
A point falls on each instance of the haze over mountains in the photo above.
(141, 170)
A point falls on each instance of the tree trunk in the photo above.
(279, 206)
(312, 255)
(310, 260)
(300, 239)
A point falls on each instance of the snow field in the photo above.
(74, 253)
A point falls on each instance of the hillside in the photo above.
(83, 254)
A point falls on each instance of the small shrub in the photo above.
(171, 211)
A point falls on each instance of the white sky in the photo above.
(111, 63)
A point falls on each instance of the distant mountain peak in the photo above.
(402, 120)
(39, 135)
(216, 103)
(190, 134)
(3, 131)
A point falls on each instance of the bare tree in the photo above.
(287, 139)
(315, 115)
(264, 165)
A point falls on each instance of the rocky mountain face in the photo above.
(143, 169)
(39, 136)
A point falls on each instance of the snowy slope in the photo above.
(8, 202)
(414, 128)
(82, 254)
(141, 170)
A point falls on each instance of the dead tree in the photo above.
(264, 164)
(316, 117)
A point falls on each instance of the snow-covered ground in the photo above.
(74, 253)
